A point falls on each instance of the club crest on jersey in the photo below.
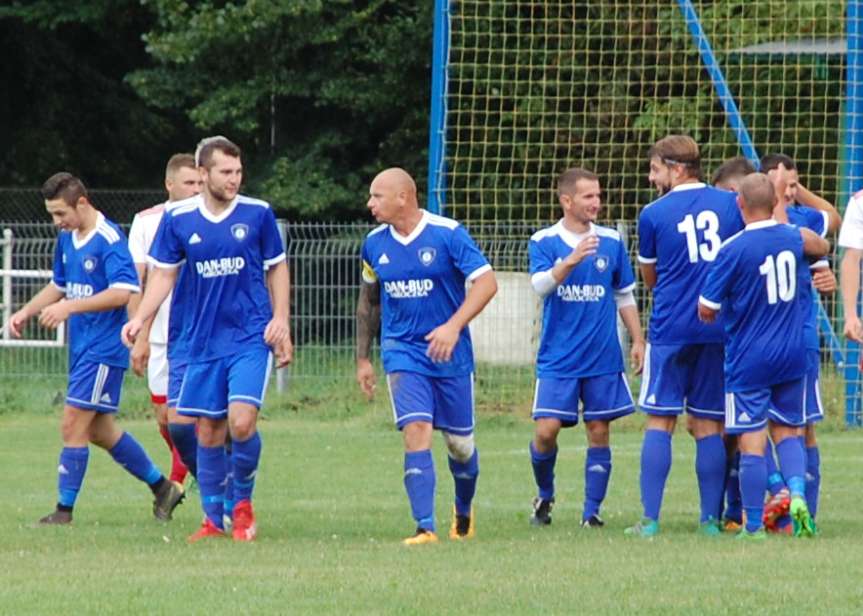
(90, 264)
(427, 255)
(240, 232)
(601, 263)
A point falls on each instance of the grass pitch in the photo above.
(331, 512)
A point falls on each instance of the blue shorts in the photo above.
(813, 411)
(604, 397)
(95, 387)
(445, 402)
(210, 386)
(176, 372)
(748, 411)
(684, 377)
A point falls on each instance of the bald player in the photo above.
(415, 265)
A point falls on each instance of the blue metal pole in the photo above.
(735, 120)
(853, 174)
(436, 202)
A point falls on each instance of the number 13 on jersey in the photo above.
(708, 222)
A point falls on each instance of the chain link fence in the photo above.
(325, 275)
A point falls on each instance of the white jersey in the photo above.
(851, 233)
(141, 236)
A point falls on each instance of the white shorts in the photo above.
(157, 373)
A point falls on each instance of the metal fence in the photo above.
(325, 274)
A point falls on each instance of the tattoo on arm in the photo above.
(368, 318)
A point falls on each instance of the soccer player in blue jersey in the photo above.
(755, 281)
(415, 265)
(582, 272)
(800, 207)
(679, 236)
(237, 313)
(92, 281)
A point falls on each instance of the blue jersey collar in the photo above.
(202, 207)
(761, 224)
(79, 243)
(405, 240)
(688, 186)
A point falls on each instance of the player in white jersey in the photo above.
(415, 266)
(237, 314)
(851, 240)
(92, 280)
(583, 273)
(150, 353)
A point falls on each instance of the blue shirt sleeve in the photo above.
(59, 275)
(541, 260)
(817, 221)
(272, 249)
(167, 249)
(369, 274)
(120, 268)
(623, 278)
(646, 238)
(466, 254)
(720, 277)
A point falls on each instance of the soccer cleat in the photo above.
(168, 497)
(244, 522)
(731, 526)
(593, 521)
(58, 517)
(710, 528)
(421, 537)
(646, 529)
(800, 518)
(775, 508)
(541, 515)
(462, 526)
(755, 536)
(208, 529)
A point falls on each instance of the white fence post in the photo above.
(6, 242)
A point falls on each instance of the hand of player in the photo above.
(585, 248)
(51, 316)
(16, 323)
(636, 355)
(276, 332)
(824, 281)
(853, 329)
(284, 352)
(130, 331)
(705, 314)
(140, 356)
(366, 378)
(442, 341)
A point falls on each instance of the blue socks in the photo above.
(419, 482)
(212, 469)
(129, 454)
(70, 474)
(543, 471)
(792, 461)
(464, 475)
(710, 469)
(597, 472)
(813, 478)
(753, 483)
(655, 465)
(775, 480)
(244, 459)
(186, 441)
(733, 505)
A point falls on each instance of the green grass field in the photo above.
(331, 512)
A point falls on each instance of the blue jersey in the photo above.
(755, 282)
(579, 317)
(178, 326)
(817, 221)
(84, 267)
(224, 295)
(681, 233)
(422, 284)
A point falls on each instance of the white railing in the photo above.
(7, 275)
